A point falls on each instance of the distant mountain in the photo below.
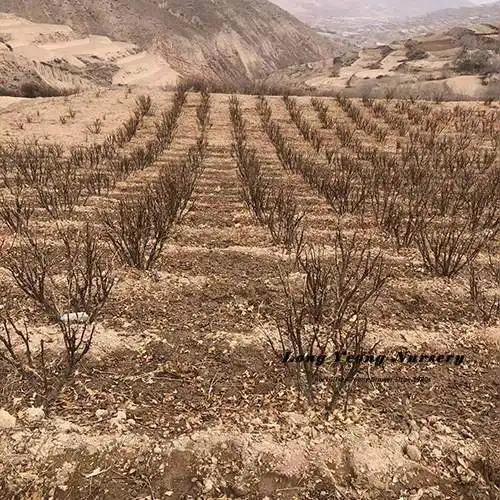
(216, 38)
(362, 34)
(457, 63)
(488, 11)
(318, 12)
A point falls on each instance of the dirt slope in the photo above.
(54, 56)
(228, 38)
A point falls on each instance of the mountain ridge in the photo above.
(317, 11)
(362, 34)
(214, 38)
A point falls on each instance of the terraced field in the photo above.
(160, 260)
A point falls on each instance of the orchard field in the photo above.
(160, 251)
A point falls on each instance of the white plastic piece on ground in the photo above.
(33, 414)
(74, 317)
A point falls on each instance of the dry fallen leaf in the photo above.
(96, 472)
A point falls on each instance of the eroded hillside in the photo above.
(38, 59)
(223, 39)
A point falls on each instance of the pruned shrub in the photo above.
(144, 103)
(77, 279)
(346, 134)
(177, 181)
(447, 245)
(203, 112)
(327, 312)
(285, 220)
(321, 109)
(17, 213)
(95, 127)
(139, 228)
(98, 182)
(62, 192)
(46, 373)
(255, 188)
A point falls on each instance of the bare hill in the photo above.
(458, 63)
(218, 39)
(319, 11)
(48, 59)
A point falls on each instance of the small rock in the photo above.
(413, 436)
(208, 485)
(120, 416)
(33, 414)
(18, 437)
(413, 425)
(443, 429)
(7, 421)
(65, 426)
(413, 452)
(119, 419)
(91, 449)
(295, 418)
(425, 432)
(439, 427)
(101, 413)
(239, 490)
